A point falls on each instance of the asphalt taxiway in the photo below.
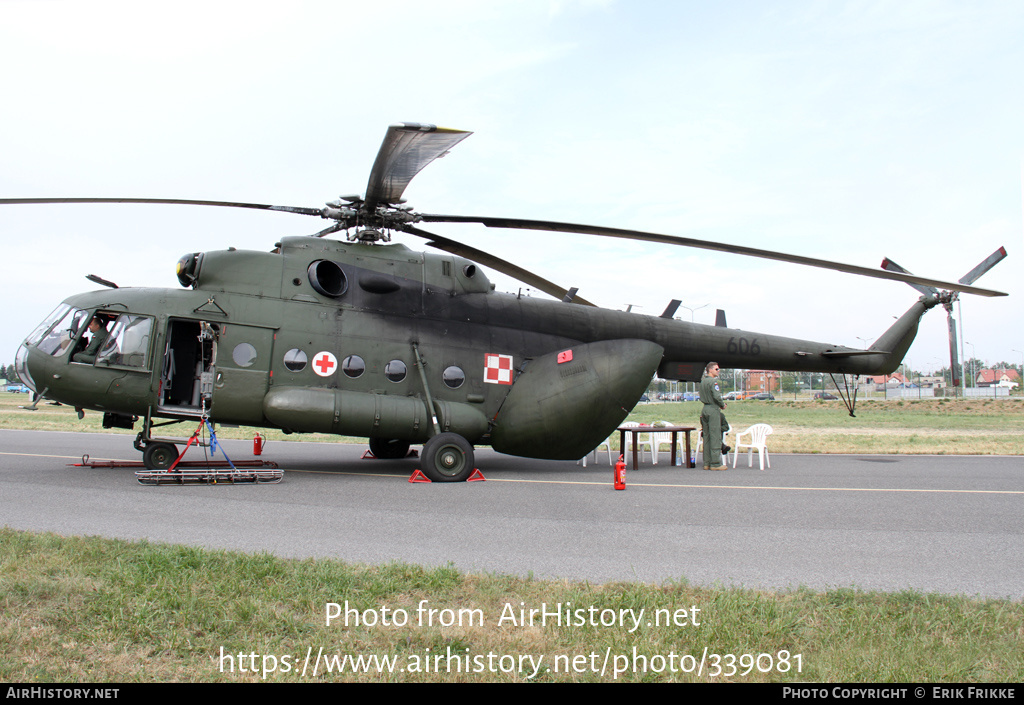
(949, 524)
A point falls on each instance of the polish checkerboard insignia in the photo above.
(497, 369)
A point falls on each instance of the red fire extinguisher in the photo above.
(257, 445)
(620, 474)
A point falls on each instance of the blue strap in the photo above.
(214, 445)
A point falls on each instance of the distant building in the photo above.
(893, 380)
(998, 378)
(762, 380)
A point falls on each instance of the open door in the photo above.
(186, 381)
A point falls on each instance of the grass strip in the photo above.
(98, 610)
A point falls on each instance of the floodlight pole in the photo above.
(692, 310)
(974, 354)
(963, 377)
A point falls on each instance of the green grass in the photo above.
(933, 426)
(90, 609)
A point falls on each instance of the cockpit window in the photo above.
(67, 329)
(127, 345)
(41, 329)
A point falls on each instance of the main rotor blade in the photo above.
(101, 281)
(165, 201)
(407, 148)
(495, 263)
(516, 223)
(893, 267)
(989, 262)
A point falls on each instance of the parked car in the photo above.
(17, 388)
(825, 395)
(764, 396)
(691, 396)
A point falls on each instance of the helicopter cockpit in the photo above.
(55, 348)
(126, 343)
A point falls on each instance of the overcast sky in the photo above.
(842, 130)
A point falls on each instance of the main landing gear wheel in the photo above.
(389, 449)
(447, 457)
(159, 456)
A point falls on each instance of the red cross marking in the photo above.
(325, 364)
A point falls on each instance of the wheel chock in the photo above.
(368, 455)
(418, 476)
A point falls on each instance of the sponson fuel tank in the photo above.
(566, 402)
(306, 410)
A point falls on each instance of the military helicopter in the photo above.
(366, 337)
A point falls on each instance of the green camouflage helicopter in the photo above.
(365, 337)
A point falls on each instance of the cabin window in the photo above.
(127, 344)
(454, 377)
(395, 371)
(295, 360)
(244, 355)
(353, 366)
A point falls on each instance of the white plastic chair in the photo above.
(656, 439)
(628, 438)
(641, 442)
(606, 444)
(650, 443)
(758, 434)
(700, 445)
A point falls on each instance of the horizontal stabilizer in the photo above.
(852, 353)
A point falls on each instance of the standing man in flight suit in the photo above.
(711, 418)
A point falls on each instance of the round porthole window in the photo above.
(244, 355)
(353, 366)
(395, 371)
(295, 360)
(454, 377)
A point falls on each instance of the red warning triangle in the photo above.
(368, 455)
(417, 476)
(477, 476)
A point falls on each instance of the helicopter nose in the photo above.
(21, 367)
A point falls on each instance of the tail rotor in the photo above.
(947, 298)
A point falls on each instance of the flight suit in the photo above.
(711, 421)
(93, 349)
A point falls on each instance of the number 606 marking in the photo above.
(743, 347)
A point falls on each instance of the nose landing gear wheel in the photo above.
(447, 457)
(159, 456)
